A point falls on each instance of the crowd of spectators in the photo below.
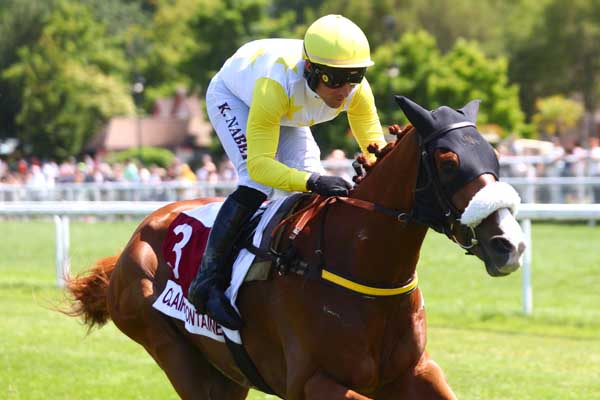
(48, 173)
(558, 158)
(519, 159)
(529, 158)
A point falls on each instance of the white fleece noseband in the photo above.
(488, 199)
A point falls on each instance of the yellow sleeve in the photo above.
(364, 121)
(269, 104)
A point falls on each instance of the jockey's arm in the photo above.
(269, 104)
(364, 121)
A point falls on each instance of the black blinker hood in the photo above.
(437, 131)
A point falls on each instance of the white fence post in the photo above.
(62, 246)
(66, 239)
(59, 250)
(527, 291)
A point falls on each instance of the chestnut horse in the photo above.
(361, 336)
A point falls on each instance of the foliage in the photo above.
(444, 51)
(556, 115)
(561, 54)
(384, 21)
(403, 68)
(465, 73)
(146, 155)
(71, 83)
(119, 16)
(160, 49)
(21, 23)
(220, 28)
(441, 18)
(415, 67)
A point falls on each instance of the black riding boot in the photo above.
(207, 290)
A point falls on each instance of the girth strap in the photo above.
(245, 364)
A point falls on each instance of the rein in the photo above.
(319, 202)
(451, 216)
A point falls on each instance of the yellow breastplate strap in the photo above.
(368, 290)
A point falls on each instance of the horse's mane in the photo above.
(395, 130)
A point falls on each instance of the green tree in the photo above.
(556, 115)
(71, 83)
(302, 9)
(403, 68)
(485, 21)
(159, 50)
(118, 16)
(21, 23)
(466, 73)
(560, 55)
(380, 20)
(220, 28)
(414, 67)
(451, 20)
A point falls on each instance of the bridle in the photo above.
(450, 214)
(450, 217)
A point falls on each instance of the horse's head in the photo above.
(458, 192)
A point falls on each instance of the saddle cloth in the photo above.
(183, 249)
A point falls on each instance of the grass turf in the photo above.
(477, 332)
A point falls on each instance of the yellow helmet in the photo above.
(335, 41)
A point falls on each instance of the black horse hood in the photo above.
(438, 129)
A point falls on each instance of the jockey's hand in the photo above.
(328, 185)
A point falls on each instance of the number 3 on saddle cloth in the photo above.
(183, 249)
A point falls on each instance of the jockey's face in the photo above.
(334, 97)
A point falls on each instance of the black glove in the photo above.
(328, 185)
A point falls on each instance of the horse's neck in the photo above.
(393, 249)
(392, 180)
(369, 245)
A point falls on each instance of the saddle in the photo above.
(187, 235)
(266, 257)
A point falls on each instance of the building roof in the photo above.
(175, 121)
(122, 133)
(180, 106)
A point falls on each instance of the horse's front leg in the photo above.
(426, 381)
(322, 387)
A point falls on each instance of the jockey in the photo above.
(261, 104)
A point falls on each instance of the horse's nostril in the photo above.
(501, 245)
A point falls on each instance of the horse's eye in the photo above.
(448, 167)
(447, 164)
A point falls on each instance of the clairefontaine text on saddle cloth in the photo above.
(173, 303)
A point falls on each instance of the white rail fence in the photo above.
(114, 191)
(61, 211)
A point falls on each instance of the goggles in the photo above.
(337, 77)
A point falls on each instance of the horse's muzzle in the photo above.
(503, 256)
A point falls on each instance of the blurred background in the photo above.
(102, 102)
(104, 99)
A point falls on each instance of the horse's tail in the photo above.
(87, 293)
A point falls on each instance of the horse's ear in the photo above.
(417, 115)
(470, 110)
